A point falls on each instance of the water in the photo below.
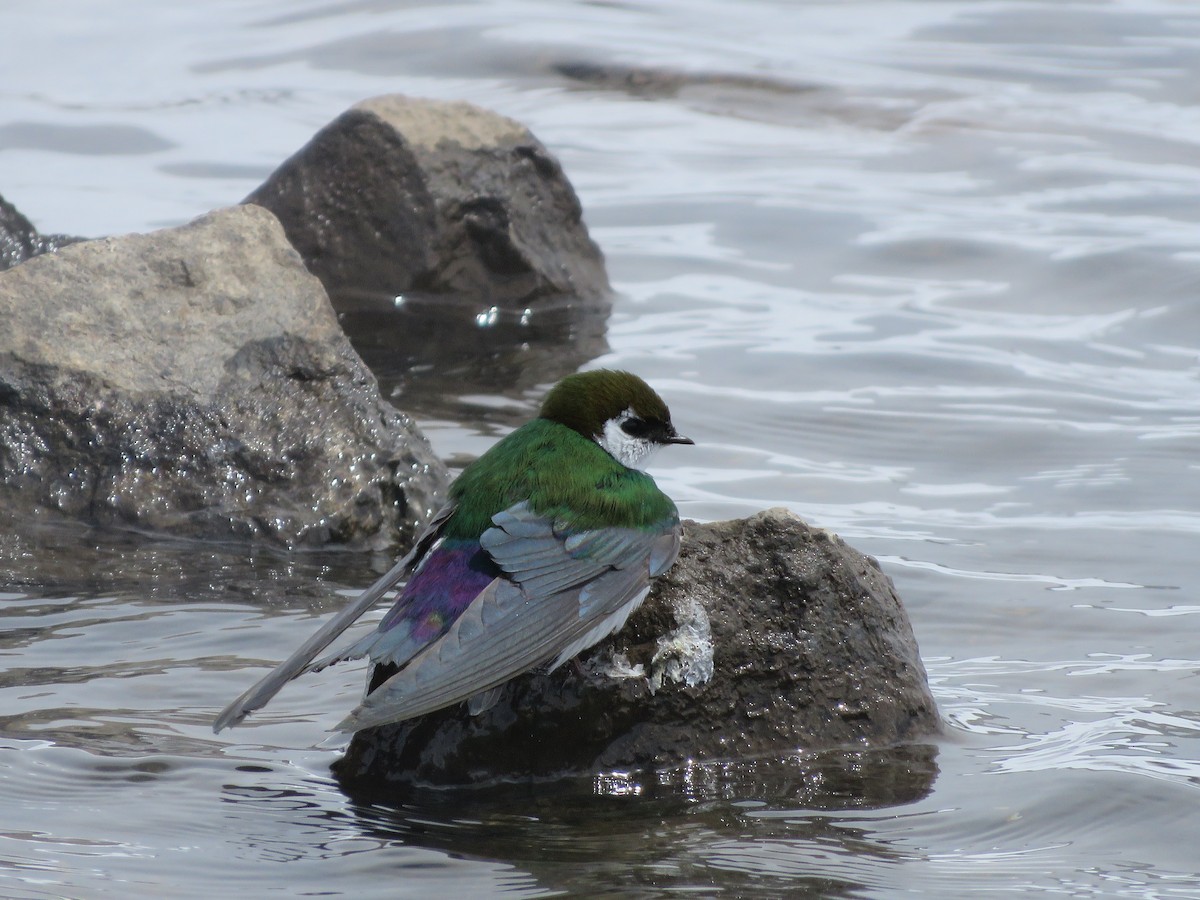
(925, 273)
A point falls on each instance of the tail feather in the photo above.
(357, 650)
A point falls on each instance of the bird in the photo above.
(546, 545)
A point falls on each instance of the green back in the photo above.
(564, 476)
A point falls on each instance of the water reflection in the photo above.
(317, 829)
(429, 351)
(625, 830)
(54, 570)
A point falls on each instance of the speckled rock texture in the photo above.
(810, 649)
(195, 381)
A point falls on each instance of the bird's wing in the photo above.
(564, 592)
(445, 583)
(259, 694)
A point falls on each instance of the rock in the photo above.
(656, 82)
(810, 650)
(763, 98)
(399, 195)
(20, 241)
(195, 381)
(466, 217)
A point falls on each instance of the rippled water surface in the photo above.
(924, 272)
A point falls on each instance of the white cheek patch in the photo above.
(626, 449)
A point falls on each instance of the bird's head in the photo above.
(617, 410)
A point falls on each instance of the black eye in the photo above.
(635, 427)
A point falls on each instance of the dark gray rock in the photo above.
(655, 82)
(195, 381)
(400, 195)
(763, 98)
(20, 241)
(466, 217)
(811, 650)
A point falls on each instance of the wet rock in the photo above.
(195, 381)
(400, 195)
(810, 650)
(765, 98)
(470, 221)
(657, 82)
(20, 241)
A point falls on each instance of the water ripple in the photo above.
(1132, 735)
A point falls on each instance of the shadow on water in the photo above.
(428, 351)
(709, 824)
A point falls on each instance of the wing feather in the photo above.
(259, 694)
(567, 591)
(665, 550)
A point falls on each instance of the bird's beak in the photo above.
(679, 439)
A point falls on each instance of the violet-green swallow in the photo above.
(547, 544)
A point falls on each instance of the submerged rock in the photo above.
(195, 380)
(509, 823)
(20, 241)
(767, 637)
